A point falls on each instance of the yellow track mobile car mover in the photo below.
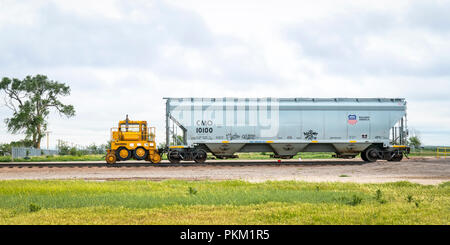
(133, 139)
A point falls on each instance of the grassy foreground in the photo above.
(221, 202)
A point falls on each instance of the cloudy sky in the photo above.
(123, 57)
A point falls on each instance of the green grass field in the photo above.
(221, 202)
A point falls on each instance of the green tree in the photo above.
(92, 149)
(162, 145)
(104, 147)
(5, 149)
(415, 142)
(30, 100)
(22, 143)
(74, 152)
(64, 148)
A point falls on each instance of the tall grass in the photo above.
(221, 202)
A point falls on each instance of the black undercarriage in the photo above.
(371, 154)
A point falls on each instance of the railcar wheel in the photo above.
(140, 153)
(123, 154)
(200, 156)
(372, 154)
(173, 156)
(110, 158)
(363, 156)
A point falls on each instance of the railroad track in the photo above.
(187, 164)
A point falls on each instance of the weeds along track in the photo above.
(187, 164)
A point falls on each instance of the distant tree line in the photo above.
(5, 148)
(65, 149)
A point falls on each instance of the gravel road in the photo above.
(419, 170)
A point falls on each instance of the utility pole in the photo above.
(48, 139)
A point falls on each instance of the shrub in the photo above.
(445, 184)
(192, 191)
(417, 203)
(378, 194)
(73, 151)
(379, 197)
(34, 207)
(355, 200)
(409, 198)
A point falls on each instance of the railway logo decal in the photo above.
(233, 136)
(248, 136)
(352, 119)
(204, 123)
(310, 135)
(364, 118)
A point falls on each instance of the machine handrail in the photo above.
(444, 153)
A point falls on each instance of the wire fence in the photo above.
(21, 152)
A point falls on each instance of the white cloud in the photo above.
(123, 57)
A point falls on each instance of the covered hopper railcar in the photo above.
(374, 127)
